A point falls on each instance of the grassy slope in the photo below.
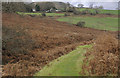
(103, 23)
(102, 11)
(48, 14)
(109, 11)
(67, 65)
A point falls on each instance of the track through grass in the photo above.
(67, 65)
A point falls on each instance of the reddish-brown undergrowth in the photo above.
(29, 43)
(103, 58)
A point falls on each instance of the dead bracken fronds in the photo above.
(103, 59)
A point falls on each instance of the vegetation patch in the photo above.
(104, 23)
(80, 24)
(101, 11)
(13, 7)
(103, 58)
(47, 14)
(15, 42)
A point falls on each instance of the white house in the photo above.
(33, 10)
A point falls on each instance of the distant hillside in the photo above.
(22, 7)
(60, 5)
(49, 5)
(16, 6)
(13, 6)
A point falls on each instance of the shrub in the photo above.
(37, 7)
(66, 14)
(14, 42)
(43, 14)
(108, 13)
(70, 9)
(22, 15)
(76, 12)
(81, 24)
(83, 12)
(118, 36)
(92, 13)
(97, 11)
(87, 11)
(12, 7)
(32, 15)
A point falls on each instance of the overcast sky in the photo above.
(107, 4)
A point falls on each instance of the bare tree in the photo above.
(80, 5)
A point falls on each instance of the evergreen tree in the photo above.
(37, 7)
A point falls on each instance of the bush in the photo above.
(43, 14)
(76, 12)
(32, 15)
(15, 41)
(108, 13)
(118, 36)
(12, 7)
(97, 11)
(92, 13)
(87, 11)
(37, 7)
(81, 24)
(83, 12)
(66, 14)
(22, 16)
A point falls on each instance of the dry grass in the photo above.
(29, 43)
(29, 64)
(103, 59)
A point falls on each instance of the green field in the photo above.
(47, 14)
(101, 11)
(102, 23)
(67, 65)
